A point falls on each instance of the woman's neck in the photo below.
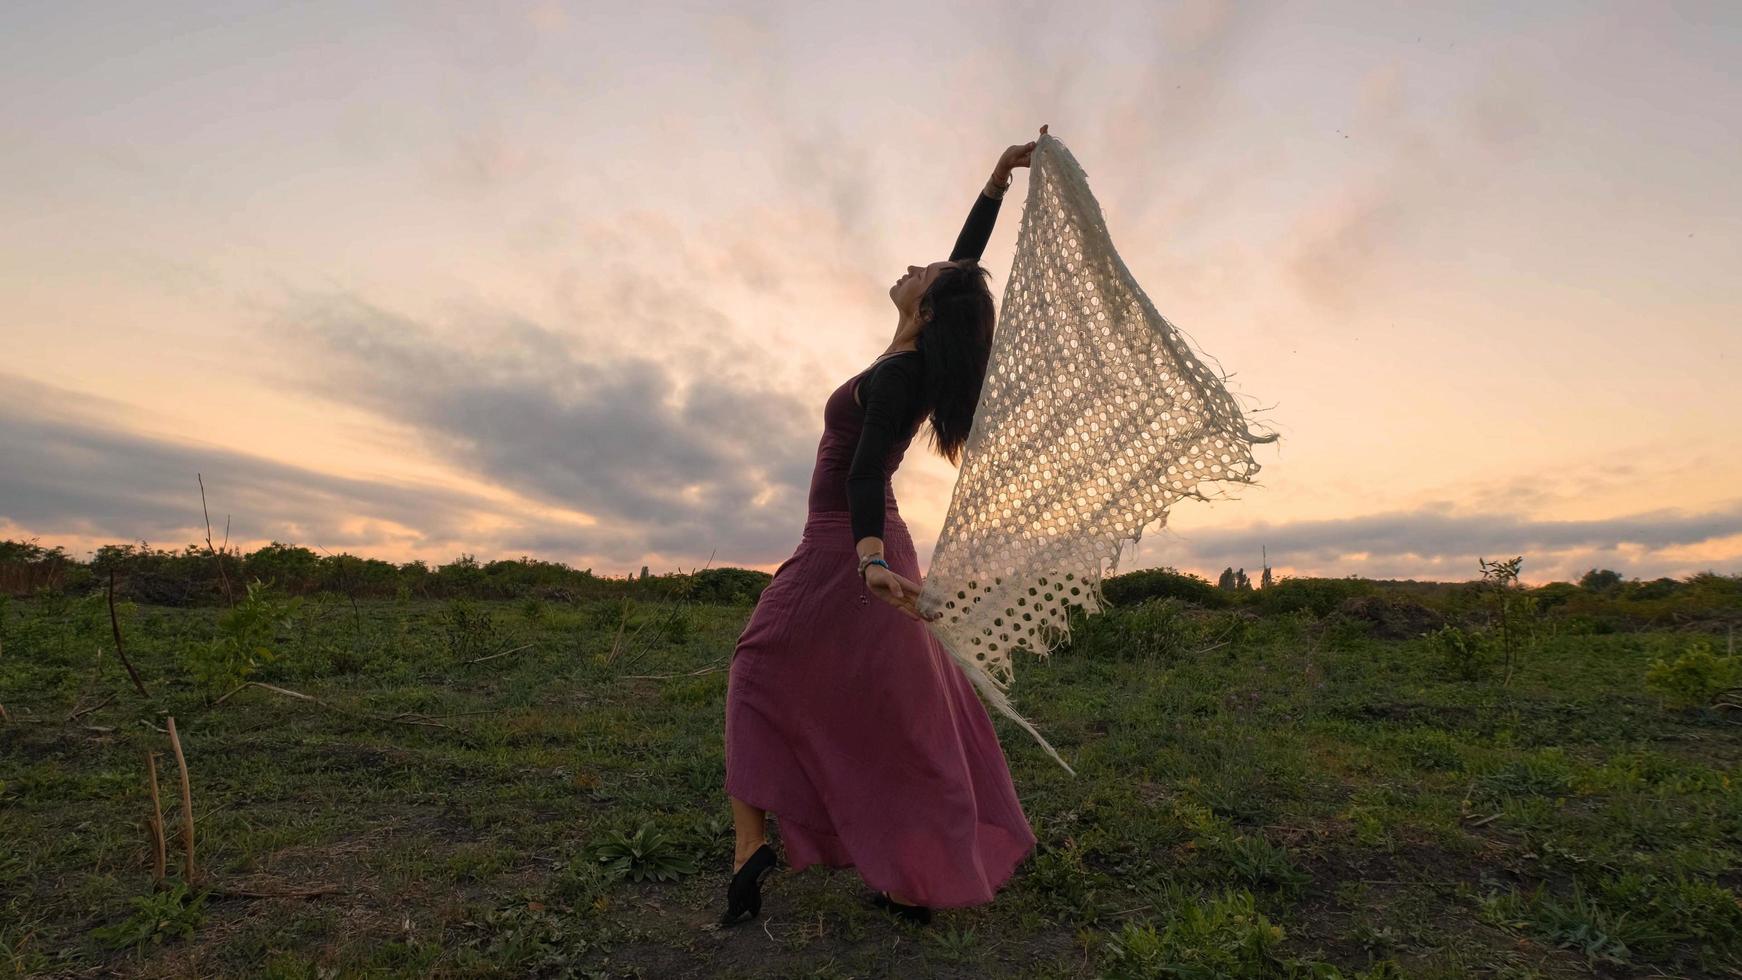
(906, 335)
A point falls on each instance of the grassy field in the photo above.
(481, 788)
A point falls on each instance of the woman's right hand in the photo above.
(895, 589)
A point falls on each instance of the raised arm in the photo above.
(977, 230)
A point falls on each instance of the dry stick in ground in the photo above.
(493, 656)
(222, 575)
(187, 800)
(120, 651)
(154, 824)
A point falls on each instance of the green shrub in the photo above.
(532, 609)
(1132, 588)
(468, 628)
(645, 855)
(1554, 594)
(1222, 937)
(735, 586)
(1390, 617)
(247, 639)
(1430, 748)
(1695, 678)
(1259, 863)
(169, 914)
(1548, 773)
(1156, 629)
(1315, 595)
(1583, 925)
(1463, 654)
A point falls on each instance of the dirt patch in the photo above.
(1389, 617)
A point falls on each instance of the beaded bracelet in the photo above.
(867, 564)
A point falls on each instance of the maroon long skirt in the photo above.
(851, 725)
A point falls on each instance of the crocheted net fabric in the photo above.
(1094, 418)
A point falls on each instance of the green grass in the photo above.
(1258, 796)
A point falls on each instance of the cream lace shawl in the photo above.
(1094, 418)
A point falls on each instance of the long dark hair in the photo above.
(956, 344)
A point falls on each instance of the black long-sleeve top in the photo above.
(893, 393)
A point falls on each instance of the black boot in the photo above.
(912, 913)
(744, 893)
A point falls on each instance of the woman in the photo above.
(844, 716)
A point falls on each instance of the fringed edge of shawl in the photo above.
(989, 687)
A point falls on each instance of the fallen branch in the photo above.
(81, 712)
(504, 653)
(314, 892)
(120, 651)
(717, 665)
(403, 718)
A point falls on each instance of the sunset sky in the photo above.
(573, 280)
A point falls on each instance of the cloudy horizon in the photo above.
(572, 282)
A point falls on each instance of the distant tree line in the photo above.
(1601, 595)
(197, 575)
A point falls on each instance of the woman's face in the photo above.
(907, 290)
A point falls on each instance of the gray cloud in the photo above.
(1434, 542)
(70, 471)
(682, 466)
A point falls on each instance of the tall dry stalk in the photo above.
(121, 651)
(187, 802)
(637, 648)
(154, 824)
(217, 555)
